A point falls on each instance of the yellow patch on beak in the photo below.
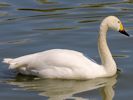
(122, 30)
(121, 27)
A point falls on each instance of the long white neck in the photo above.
(105, 54)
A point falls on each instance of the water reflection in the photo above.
(129, 1)
(45, 2)
(44, 10)
(3, 4)
(67, 89)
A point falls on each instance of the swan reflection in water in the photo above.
(67, 89)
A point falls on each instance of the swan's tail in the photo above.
(13, 64)
(7, 60)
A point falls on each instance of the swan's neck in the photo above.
(105, 54)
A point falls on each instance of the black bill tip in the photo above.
(124, 32)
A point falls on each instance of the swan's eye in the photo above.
(119, 22)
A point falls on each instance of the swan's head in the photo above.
(114, 23)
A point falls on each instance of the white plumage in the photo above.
(69, 64)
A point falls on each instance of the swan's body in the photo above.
(58, 63)
(69, 64)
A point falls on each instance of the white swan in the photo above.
(69, 64)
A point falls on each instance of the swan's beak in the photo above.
(123, 31)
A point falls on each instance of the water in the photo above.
(28, 26)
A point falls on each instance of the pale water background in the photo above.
(29, 26)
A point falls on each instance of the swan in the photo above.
(70, 64)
